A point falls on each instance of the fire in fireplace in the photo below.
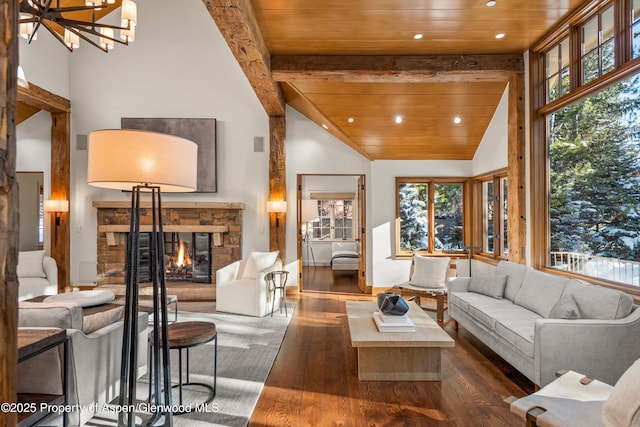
(187, 257)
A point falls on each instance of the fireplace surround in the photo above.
(222, 221)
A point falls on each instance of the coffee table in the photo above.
(396, 356)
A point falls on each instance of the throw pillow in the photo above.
(622, 408)
(257, 261)
(565, 308)
(93, 322)
(30, 264)
(430, 272)
(491, 285)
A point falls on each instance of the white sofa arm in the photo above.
(601, 349)
(458, 284)
(228, 273)
(50, 268)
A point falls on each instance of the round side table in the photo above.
(183, 336)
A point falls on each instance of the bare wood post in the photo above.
(8, 209)
(517, 225)
(61, 190)
(277, 183)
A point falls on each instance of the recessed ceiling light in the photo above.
(350, 119)
(491, 3)
(417, 36)
(457, 120)
(500, 35)
(325, 126)
(398, 119)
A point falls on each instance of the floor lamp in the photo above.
(309, 214)
(144, 163)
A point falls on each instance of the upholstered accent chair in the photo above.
(575, 400)
(241, 287)
(37, 275)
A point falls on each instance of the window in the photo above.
(597, 46)
(586, 148)
(594, 171)
(335, 220)
(493, 214)
(557, 71)
(430, 215)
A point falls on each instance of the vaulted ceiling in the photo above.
(354, 66)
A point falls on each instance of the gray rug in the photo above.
(247, 348)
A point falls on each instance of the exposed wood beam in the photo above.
(305, 107)
(61, 190)
(37, 97)
(278, 184)
(398, 68)
(237, 22)
(9, 221)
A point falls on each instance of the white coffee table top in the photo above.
(364, 332)
(83, 298)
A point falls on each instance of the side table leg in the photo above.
(440, 307)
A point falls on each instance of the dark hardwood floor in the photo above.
(323, 279)
(314, 380)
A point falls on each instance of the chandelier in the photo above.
(77, 21)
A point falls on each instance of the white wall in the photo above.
(312, 150)
(178, 66)
(492, 152)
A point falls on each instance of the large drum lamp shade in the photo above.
(123, 158)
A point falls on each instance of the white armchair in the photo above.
(241, 287)
(37, 275)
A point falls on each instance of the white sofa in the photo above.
(241, 287)
(94, 358)
(37, 275)
(541, 323)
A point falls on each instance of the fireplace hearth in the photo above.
(199, 238)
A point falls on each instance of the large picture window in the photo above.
(594, 171)
(586, 148)
(430, 215)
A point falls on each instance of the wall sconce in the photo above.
(57, 207)
(276, 206)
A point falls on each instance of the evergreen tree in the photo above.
(594, 157)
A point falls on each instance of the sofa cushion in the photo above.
(565, 308)
(257, 261)
(62, 315)
(464, 300)
(622, 408)
(430, 272)
(515, 275)
(30, 264)
(519, 334)
(491, 285)
(597, 302)
(540, 291)
(95, 321)
(487, 309)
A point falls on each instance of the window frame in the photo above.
(496, 178)
(625, 66)
(431, 181)
(332, 226)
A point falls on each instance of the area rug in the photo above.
(247, 348)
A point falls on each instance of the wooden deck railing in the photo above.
(619, 270)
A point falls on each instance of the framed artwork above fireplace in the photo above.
(200, 131)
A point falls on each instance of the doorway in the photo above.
(331, 233)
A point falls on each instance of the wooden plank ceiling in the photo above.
(308, 39)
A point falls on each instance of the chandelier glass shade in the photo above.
(69, 22)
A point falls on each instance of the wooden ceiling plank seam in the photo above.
(397, 68)
(238, 24)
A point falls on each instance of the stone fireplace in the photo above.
(209, 233)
